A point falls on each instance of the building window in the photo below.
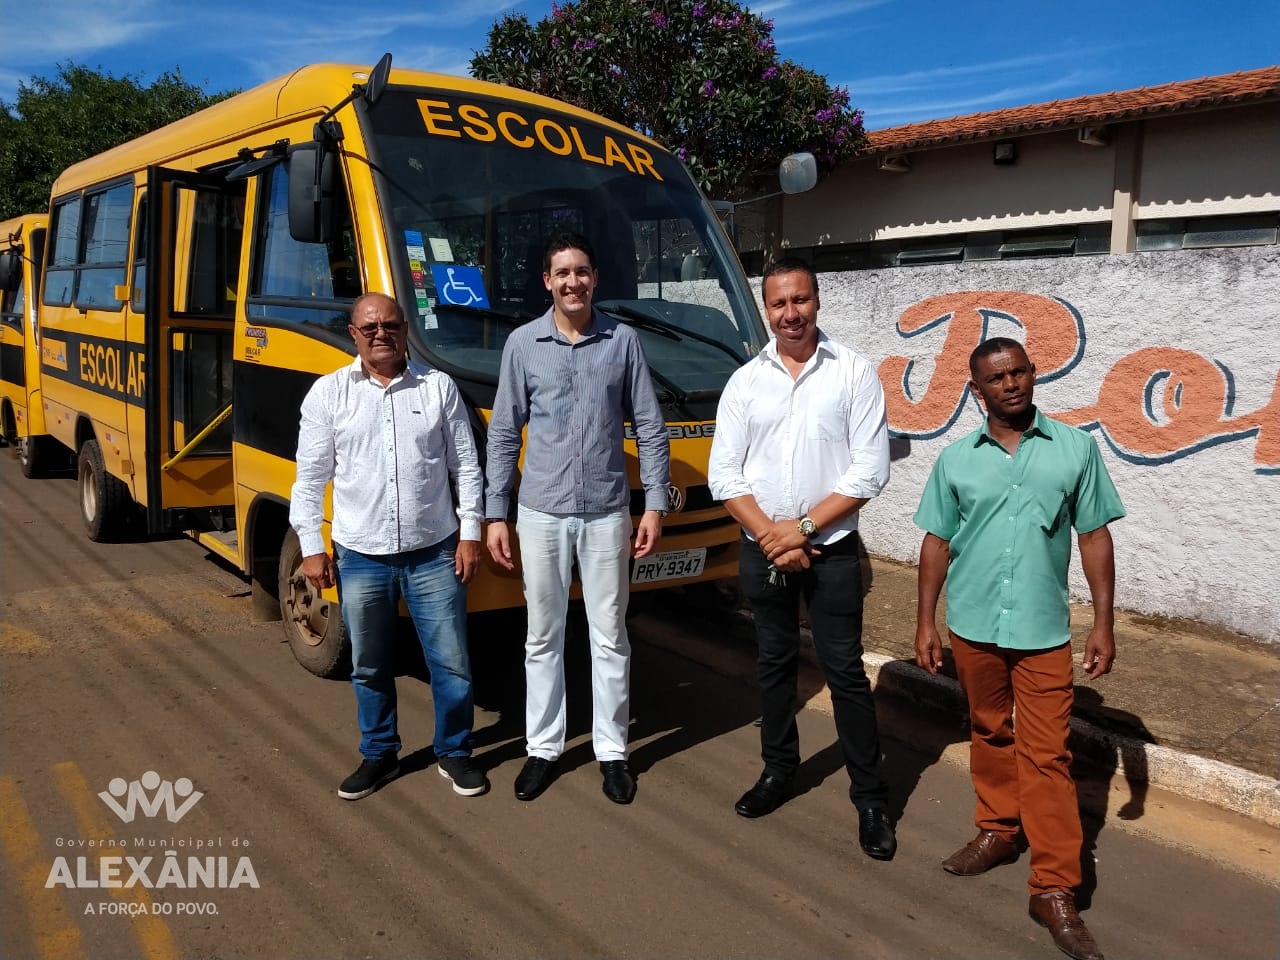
(1086, 239)
(1039, 243)
(1196, 233)
(1093, 238)
(932, 252)
(1082, 240)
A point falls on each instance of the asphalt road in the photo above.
(123, 659)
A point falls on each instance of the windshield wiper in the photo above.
(647, 321)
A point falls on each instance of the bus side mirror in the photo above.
(313, 172)
(10, 270)
(378, 80)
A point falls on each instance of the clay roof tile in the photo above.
(1096, 109)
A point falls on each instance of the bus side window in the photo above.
(139, 300)
(212, 239)
(104, 246)
(64, 235)
(305, 283)
(11, 306)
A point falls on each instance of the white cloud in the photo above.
(435, 59)
(75, 28)
(932, 78)
(892, 112)
(284, 37)
(417, 36)
(791, 13)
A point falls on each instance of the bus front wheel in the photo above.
(104, 500)
(317, 635)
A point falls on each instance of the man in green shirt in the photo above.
(998, 510)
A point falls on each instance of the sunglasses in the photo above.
(369, 331)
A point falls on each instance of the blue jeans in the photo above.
(369, 590)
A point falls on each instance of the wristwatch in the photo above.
(806, 526)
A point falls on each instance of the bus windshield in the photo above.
(478, 185)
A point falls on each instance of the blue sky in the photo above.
(903, 60)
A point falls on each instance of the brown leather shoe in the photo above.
(980, 854)
(1057, 911)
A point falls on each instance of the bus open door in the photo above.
(194, 226)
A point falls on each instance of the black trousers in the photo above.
(832, 592)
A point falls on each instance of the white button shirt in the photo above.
(790, 443)
(391, 453)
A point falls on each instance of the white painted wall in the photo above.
(954, 190)
(1224, 161)
(1207, 163)
(1201, 481)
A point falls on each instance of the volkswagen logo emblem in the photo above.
(675, 498)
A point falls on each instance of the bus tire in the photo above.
(34, 456)
(8, 425)
(317, 635)
(104, 500)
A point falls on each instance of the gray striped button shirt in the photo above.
(575, 397)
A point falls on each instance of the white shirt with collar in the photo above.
(393, 453)
(789, 443)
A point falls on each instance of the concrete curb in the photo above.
(1196, 778)
(1231, 788)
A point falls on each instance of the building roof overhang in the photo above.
(1184, 96)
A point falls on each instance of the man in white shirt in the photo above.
(392, 434)
(801, 444)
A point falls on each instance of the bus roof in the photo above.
(308, 91)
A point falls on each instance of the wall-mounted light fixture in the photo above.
(896, 164)
(1093, 136)
(1004, 151)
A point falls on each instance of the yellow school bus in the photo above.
(21, 415)
(199, 279)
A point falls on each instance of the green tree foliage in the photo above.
(702, 77)
(78, 113)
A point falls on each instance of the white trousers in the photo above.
(601, 544)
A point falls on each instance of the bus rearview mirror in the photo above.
(10, 270)
(312, 175)
(378, 80)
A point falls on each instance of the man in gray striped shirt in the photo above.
(574, 376)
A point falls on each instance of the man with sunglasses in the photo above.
(392, 434)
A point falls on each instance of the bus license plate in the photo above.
(675, 565)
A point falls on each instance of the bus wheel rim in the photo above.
(88, 495)
(310, 611)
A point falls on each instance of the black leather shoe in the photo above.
(536, 776)
(766, 796)
(875, 834)
(619, 784)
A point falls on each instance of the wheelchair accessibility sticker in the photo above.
(459, 285)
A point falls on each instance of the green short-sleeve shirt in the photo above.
(1008, 520)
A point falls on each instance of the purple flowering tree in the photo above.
(702, 77)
